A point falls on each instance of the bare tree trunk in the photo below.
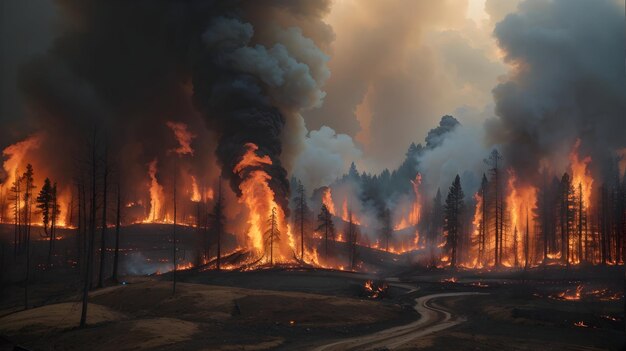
(117, 233)
(302, 224)
(174, 235)
(92, 230)
(218, 224)
(104, 220)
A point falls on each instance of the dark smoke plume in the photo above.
(131, 66)
(568, 82)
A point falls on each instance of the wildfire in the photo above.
(572, 296)
(259, 199)
(183, 136)
(156, 194)
(374, 290)
(519, 202)
(413, 217)
(327, 199)
(195, 192)
(580, 173)
(345, 213)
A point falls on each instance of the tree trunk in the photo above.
(104, 221)
(92, 233)
(118, 221)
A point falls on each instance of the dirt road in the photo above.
(433, 319)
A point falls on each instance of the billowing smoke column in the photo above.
(567, 82)
(249, 91)
(134, 68)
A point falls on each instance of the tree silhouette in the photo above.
(326, 225)
(272, 234)
(453, 214)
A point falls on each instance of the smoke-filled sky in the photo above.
(345, 80)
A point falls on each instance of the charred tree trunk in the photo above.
(118, 222)
(174, 235)
(92, 233)
(104, 219)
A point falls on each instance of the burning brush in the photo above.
(375, 290)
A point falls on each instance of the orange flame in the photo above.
(156, 194)
(580, 173)
(195, 192)
(327, 199)
(259, 199)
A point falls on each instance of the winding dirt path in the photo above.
(433, 319)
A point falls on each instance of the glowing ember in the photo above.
(375, 290)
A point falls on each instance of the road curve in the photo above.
(433, 319)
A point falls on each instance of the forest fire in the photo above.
(375, 290)
(267, 239)
(327, 200)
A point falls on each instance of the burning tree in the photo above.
(272, 234)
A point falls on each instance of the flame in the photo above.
(259, 199)
(375, 291)
(477, 223)
(156, 194)
(183, 136)
(195, 192)
(580, 173)
(345, 213)
(327, 199)
(520, 200)
(412, 218)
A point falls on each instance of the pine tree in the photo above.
(483, 221)
(28, 200)
(301, 214)
(16, 190)
(566, 215)
(454, 209)
(352, 234)
(44, 200)
(326, 225)
(272, 234)
(498, 209)
(436, 226)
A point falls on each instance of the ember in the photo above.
(375, 290)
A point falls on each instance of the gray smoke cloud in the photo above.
(567, 81)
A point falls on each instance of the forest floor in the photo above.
(545, 308)
(269, 309)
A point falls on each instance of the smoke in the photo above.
(397, 67)
(137, 70)
(249, 92)
(454, 149)
(566, 82)
(326, 156)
